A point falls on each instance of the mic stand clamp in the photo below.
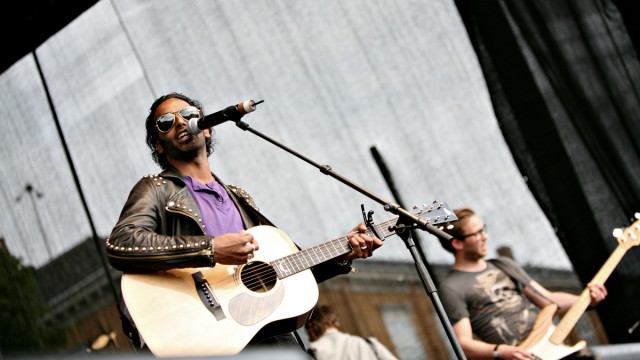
(401, 228)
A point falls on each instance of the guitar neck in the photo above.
(572, 316)
(305, 259)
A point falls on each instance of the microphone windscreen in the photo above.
(192, 126)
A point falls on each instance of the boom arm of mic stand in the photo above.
(326, 169)
(405, 218)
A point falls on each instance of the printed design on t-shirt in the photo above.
(504, 299)
(524, 323)
(500, 289)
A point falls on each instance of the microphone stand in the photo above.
(406, 221)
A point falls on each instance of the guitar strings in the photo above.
(260, 273)
(257, 272)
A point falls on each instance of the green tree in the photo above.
(21, 311)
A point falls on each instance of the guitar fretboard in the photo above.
(572, 316)
(305, 259)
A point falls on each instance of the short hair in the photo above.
(323, 317)
(463, 215)
(152, 132)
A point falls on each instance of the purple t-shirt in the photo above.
(219, 214)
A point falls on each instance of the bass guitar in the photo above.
(546, 340)
(219, 310)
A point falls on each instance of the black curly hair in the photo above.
(152, 131)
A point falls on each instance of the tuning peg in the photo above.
(617, 232)
(637, 215)
(450, 226)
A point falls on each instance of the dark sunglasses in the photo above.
(165, 122)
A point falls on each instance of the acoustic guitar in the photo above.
(546, 340)
(219, 310)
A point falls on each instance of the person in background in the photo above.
(187, 217)
(492, 304)
(329, 343)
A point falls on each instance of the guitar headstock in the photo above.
(630, 236)
(435, 213)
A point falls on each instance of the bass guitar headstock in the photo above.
(630, 236)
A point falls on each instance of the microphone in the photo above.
(233, 112)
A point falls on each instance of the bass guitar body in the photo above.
(546, 340)
(538, 341)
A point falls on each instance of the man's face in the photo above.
(176, 143)
(474, 238)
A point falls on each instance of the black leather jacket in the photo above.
(160, 228)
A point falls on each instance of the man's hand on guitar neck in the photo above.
(362, 243)
(564, 300)
(598, 292)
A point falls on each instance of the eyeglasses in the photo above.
(165, 122)
(477, 233)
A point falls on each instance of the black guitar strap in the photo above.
(507, 270)
(520, 280)
(373, 346)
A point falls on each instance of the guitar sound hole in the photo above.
(258, 276)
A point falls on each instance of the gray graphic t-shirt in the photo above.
(499, 312)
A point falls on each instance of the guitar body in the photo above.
(546, 340)
(175, 318)
(538, 341)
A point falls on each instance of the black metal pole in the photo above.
(76, 180)
(388, 178)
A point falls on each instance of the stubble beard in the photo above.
(475, 255)
(184, 152)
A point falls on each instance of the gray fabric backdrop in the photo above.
(337, 78)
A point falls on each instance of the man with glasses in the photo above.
(492, 304)
(186, 217)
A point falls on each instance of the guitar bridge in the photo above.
(205, 293)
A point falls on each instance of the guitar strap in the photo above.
(519, 279)
(507, 270)
(373, 346)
